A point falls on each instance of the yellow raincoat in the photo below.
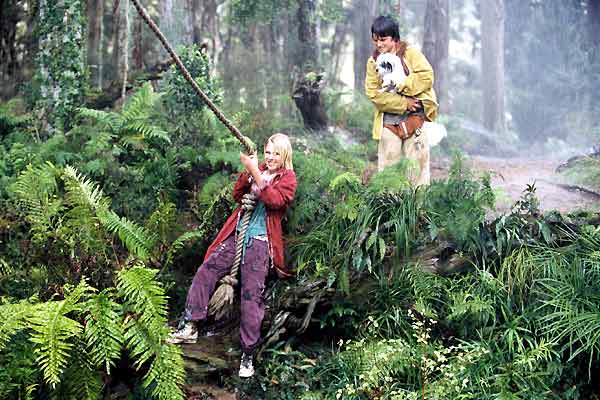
(418, 84)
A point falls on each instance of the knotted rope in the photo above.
(222, 299)
(223, 296)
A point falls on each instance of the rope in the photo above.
(235, 131)
(222, 299)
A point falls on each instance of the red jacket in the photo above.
(277, 196)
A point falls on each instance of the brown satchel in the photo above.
(405, 125)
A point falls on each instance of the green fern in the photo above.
(81, 379)
(82, 191)
(166, 374)
(141, 341)
(14, 318)
(36, 189)
(110, 120)
(162, 220)
(146, 330)
(103, 330)
(132, 126)
(5, 268)
(178, 243)
(137, 239)
(53, 332)
(138, 286)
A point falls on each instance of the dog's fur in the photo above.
(390, 69)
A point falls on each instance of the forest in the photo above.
(115, 177)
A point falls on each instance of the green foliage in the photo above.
(569, 296)
(145, 331)
(19, 375)
(393, 178)
(11, 121)
(103, 331)
(70, 355)
(13, 318)
(132, 127)
(285, 373)
(36, 189)
(354, 115)
(456, 208)
(61, 75)
(586, 172)
(53, 331)
(181, 99)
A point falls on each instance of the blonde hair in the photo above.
(282, 145)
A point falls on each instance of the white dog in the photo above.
(390, 69)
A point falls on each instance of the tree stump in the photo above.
(307, 97)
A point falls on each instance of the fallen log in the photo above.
(111, 93)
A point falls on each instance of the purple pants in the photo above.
(254, 269)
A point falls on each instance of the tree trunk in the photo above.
(125, 58)
(116, 36)
(363, 14)
(436, 40)
(594, 23)
(10, 15)
(95, 17)
(336, 49)
(176, 23)
(492, 64)
(138, 43)
(306, 53)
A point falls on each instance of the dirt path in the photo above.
(511, 176)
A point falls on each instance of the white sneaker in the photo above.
(246, 367)
(187, 334)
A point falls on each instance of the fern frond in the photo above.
(139, 105)
(36, 189)
(142, 130)
(5, 268)
(103, 330)
(136, 238)
(82, 191)
(13, 317)
(141, 341)
(134, 141)
(178, 243)
(53, 333)
(166, 374)
(81, 379)
(109, 119)
(143, 294)
(162, 220)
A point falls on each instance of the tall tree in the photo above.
(95, 17)
(363, 13)
(492, 64)
(138, 43)
(593, 13)
(10, 15)
(436, 40)
(306, 54)
(176, 21)
(342, 28)
(116, 37)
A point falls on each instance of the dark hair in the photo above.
(384, 25)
